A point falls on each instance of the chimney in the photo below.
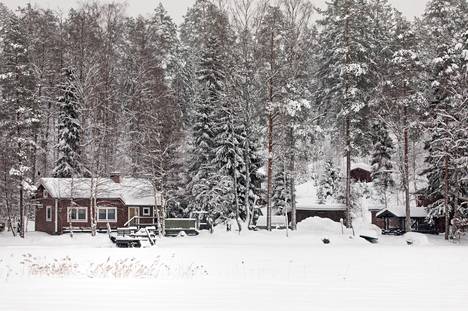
(116, 177)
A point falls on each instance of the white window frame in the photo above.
(77, 208)
(107, 208)
(47, 209)
(146, 209)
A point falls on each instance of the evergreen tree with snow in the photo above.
(281, 196)
(270, 55)
(444, 24)
(381, 162)
(347, 73)
(69, 130)
(19, 115)
(206, 108)
(446, 146)
(329, 183)
(400, 96)
(229, 158)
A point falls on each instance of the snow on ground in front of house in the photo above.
(228, 271)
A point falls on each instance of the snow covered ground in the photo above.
(227, 271)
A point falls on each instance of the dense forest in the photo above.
(239, 103)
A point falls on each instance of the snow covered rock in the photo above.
(413, 238)
(362, 227)
(319, 225)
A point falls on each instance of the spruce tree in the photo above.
(69, 130)
(204, 171)
(329, 183)
(381, 162)
(281, 196)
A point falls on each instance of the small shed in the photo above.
(394, 218)
(307, 205)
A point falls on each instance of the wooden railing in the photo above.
(138, 218)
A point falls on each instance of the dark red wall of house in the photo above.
(49, 226)
(361, 175)
(40, 218)
(379, 222)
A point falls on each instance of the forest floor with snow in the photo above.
(228, 271)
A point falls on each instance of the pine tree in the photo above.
(447, 148)
(444, 24)
(270, 51)
(382, 167)
(347, 72)
(400, 96)
(297, 114)
(69, 130)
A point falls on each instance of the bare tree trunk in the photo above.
(348, 173)
(93, 205)
(236, 196)
(348, 129)
(7, 202)
(21, 208)
(292, 190)
(286, 210)
(415, 184)
(247, 184)
(446, 193)
(270, 169)
(406, 171)
(270, 133)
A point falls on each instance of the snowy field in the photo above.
(225, 271)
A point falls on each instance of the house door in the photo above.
(132, 212)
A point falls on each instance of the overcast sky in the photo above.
(177, 8)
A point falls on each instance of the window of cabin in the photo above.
(77, 214)
(45, 194)
(146, 211)
(48, 213)
(107, 214)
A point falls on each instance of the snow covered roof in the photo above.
(306, 199)
(362, 166)
(400, 211)
(132, 191)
